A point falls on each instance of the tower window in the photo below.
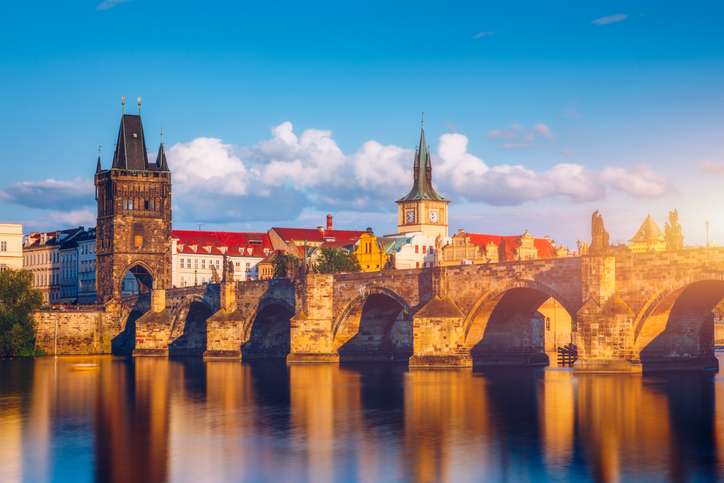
(135, 135)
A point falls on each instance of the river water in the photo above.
(189, 420)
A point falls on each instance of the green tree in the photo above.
(332, 260)
(285, 265)
(18, 299)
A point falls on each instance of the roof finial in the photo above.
(161, 136)
(423, 119)
(99, 150)
(123, 105)
(139, 106)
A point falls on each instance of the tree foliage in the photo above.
(285, 265)
(17, 300)
(332, 260)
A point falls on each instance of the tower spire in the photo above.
(98, 166)
(422, 173)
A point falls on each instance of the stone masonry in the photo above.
(632, 312)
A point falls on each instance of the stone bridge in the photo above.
(630, 312)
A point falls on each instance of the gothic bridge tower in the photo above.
(133, 231)
(422, 210)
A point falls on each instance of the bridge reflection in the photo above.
(184, 418)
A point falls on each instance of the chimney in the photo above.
(329, 222)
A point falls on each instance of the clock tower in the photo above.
(422, 210)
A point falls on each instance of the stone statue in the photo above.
(438, 251)
(672, 232)
(390, 263)
(302, 270)
(214, 274)
(599, 237)
(228, 270)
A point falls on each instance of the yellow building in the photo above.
(373, 252)
(11, 246)
(649, 238)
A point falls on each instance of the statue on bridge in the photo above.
(228, 270)
(438, 251)
(599, 237)
(672, 232)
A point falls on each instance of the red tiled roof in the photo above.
(544, 247)
(236, 243)
(315, 235)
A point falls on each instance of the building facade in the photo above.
(11, 246)
(41, 256)
(133, 233)
(198, 256)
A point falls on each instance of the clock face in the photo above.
(433, 216)
(410, 216)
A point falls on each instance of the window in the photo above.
(188, 263)
(418, 263)
(248, 266)
(181, 263)
(417, 250)
(196, 263)
(125, 204)
(424, 249)
(145, 204)
(203, 263)
(130, 204)
(3, 266)
(432, 250)
(151, 204)
(3, 246)
(217, 264)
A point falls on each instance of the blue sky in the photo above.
(275, 114)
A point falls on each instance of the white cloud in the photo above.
(51, 192)
(523, 138)
(709, 166)
(287, 175)
(483, 34)
(639, 181)
(610, 19)
(106, 4)
(84, 218)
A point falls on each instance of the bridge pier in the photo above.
(153, 328)
(224, 329)
(439, 336)
(311, 335)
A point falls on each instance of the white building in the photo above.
(196, 255)
(87, 267)
(417, 251)
(11, 246)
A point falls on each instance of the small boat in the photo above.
(85, 367)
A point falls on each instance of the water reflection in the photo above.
(185, 419)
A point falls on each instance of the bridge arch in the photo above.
(143, 274)
(267, 331)
(375, 325)
(188, 329)
(505, 325)
(677, 321)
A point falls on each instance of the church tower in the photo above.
(422, 210)
(133, 231)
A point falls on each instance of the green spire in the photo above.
(422, 175)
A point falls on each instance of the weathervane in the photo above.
(139, 106)
(423, 119)
(123, 105)
(161, 136)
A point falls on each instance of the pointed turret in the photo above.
(98, 166)
(131, 145)
(422, 175)
(161, 164)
